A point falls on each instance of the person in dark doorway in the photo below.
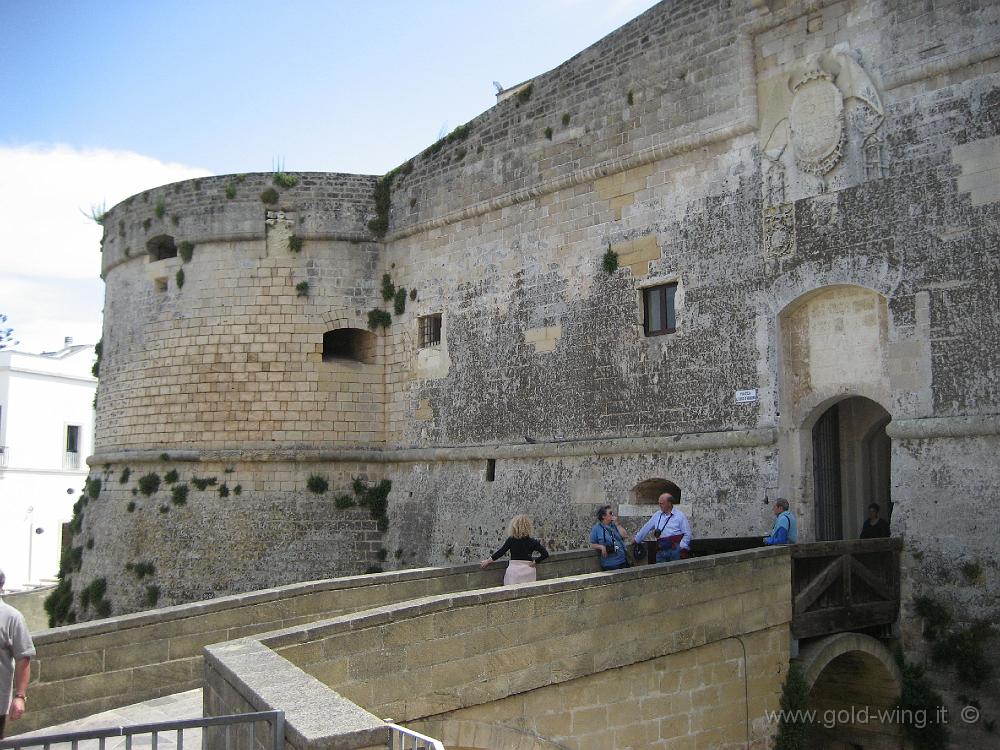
(874, 527)
(522, 547)
(671, 530)
(16, 650)
(609, 538)
(785, 529)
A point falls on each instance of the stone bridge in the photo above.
(690, 654)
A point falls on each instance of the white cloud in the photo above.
(50, 257)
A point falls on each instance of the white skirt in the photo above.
(519, 571)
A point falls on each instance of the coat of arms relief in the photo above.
(821, 130)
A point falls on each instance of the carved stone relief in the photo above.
(822, 121)
(779, 231)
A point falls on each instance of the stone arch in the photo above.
(847, 673)
(833, 346)
(648, 491)
(161, 247)
(465, 734)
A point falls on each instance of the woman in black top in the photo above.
(520, 544)
(874, 527)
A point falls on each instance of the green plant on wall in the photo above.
(186, 251)
(269, 196)
(317, 484)
(202, 484)
(375, 498)
(294, 243)
(379, 319)
(399, 301)
(230, 190)
(179, 278)
(388, 288)
(794, 698)
(610, 261)
(285, 180)
(548, 133)
(179, 494)
(565, 119)
(98, 214)
(920, 704)
(149, 484)
(962, 648)
(302, 289)
(160, 209)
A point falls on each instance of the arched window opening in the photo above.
(352, 344)
(648, 491)
(161, 248)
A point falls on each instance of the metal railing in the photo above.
(401, 738)
(164, 735)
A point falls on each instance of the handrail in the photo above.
(398, 736)
(46, 741)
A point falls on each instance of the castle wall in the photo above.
(819, 180)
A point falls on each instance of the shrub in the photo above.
(93, 487)
(285, 180)
(152, 595)
(610, 261)
(548, 133)
(223, 490)
(238, 490)
(179, 277)
(58, 604)
(186, 251)
(918, 699)
(202, 484)
(230, 190)
(388, 288)
(794, 696)
(179, 494)
(103, 608)
(269, 196)
(295, 243)
(123, 477)
(302, 289)
(344, 501)
(160, 209)
(379, 319)
(149, 484)
(565, 119)
(317, 484)
(399, 301)
(131, 506)
(171, 476)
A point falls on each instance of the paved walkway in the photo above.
(167, 708)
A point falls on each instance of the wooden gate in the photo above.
(849, 585)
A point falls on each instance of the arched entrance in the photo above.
(854, 683)
(851, 466)
(834, 403)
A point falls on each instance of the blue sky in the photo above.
(102, 99)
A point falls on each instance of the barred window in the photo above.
(430, 330)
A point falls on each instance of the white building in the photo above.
(46, 434)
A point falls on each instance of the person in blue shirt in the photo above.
(785, 529)
(609, 538)
(671, 530)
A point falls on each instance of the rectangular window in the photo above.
(71, 458)
(72, 438)
(430, 330)
(658, 309)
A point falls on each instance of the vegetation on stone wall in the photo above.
(285, 180)
(141, 569)
(919, 701)
(179, 278)
(378, 319)
(160, 209)
(179, 494)
(171, 476)
(375, 498)
(149, 483)
(399, 301)
(123, 477)
(230, 190)
(152, 595)
(92, 486)
(794, 697)
(269, 196)
(610, 261)
(295, 244)
(548, 132)
(97, 214)
(203, 484)
(388, 288)
(960, 647)
(98, 350)
(186, 251)
(317, 484)
(565, 119)
(302, 289)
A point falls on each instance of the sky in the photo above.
(102, 99)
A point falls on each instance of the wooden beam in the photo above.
(817, 585)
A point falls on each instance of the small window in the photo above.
(72, 438)
(658, 309)
(161, 248)
(160, 284)
(430, 330)
(349, 343)
(491, 469)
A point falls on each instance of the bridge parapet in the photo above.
(428, 658)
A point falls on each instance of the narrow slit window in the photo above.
(658, 309)
(491, 469)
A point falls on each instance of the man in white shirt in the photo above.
(16, 650)
(671, 530)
